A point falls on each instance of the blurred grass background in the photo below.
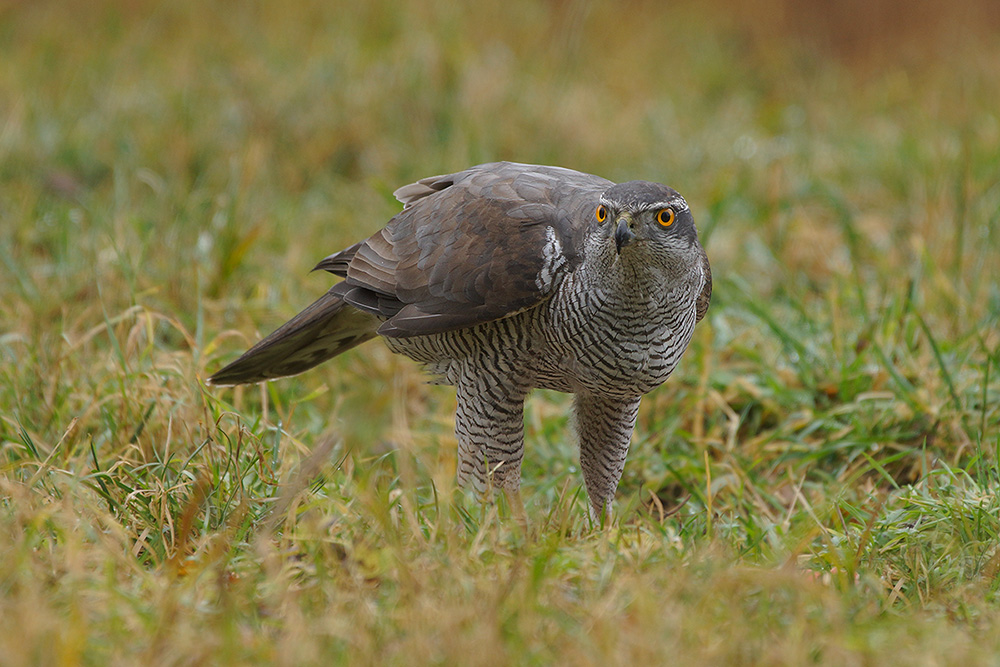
(816, 483)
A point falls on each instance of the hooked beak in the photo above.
(623, 233)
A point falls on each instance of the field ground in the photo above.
(817, 484)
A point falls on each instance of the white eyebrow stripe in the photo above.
(677, 203)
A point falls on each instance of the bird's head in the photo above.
(647, 220)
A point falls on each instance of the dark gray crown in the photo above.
(643, 195)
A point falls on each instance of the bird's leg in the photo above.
(489, 426)
(604, 425)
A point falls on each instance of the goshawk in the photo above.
(506, 277)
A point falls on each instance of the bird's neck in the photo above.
(635, 273)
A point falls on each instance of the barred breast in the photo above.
(609, 343)
(581, 339)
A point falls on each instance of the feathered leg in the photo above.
(489, 426)
(604, 425)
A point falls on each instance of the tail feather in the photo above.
(323, 330)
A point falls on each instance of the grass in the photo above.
(816, 484)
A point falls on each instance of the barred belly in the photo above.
(506, 349)
(571, 343)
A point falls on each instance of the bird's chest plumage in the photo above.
(585, 337)
(613, 342)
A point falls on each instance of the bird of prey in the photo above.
(506, 277)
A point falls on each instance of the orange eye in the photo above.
(666, 217)
(602, 213)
